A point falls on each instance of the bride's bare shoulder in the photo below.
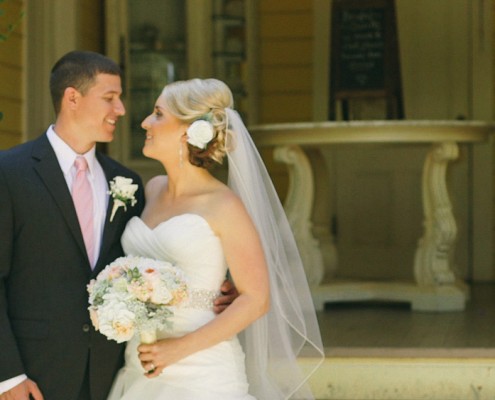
(227, 206)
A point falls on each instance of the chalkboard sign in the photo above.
(362, 49)
(365, 61)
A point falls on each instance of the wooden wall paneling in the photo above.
(276, 79)
(11, 123)
(11, 73)
(11, 50)
(289, 52)
(287, 107)
(8, 139)
(280, 26)
(285, 5)
(11, 78)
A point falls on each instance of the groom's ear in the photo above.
(70, 98)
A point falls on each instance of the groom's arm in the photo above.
(25, 390)
(10, 360)
(11, 383)
(228, 294)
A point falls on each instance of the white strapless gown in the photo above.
(215, 373)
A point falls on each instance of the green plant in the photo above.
(5, 33)
(10, 27)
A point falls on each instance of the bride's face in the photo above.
(163, 133)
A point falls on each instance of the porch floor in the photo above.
(364, 326)
(385, 351)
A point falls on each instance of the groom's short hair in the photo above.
(78, 69)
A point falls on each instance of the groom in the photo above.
(49, 348)
(49, 251)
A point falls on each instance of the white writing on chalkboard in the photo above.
(362, 47)
(364, 58)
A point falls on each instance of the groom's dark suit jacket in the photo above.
(45, 330)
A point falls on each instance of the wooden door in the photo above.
(162, 42)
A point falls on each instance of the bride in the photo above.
(205, 227)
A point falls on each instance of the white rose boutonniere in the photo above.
(200, 133)
(122, 191)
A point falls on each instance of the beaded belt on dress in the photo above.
(201, 299)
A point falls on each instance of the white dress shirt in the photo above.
(66, 157)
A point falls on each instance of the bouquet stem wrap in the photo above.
(148, 336)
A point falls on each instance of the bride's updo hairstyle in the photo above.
(202, 99)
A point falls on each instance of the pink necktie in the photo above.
(83, 202)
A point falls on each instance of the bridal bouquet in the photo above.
(133, 295)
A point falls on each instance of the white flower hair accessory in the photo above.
(122, 191)
(200, 133)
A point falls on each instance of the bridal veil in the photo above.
(290, 329)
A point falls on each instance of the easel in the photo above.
(364, 57)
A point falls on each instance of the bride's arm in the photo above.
(245, 257)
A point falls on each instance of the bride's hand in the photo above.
(229, 294)
(157, 356)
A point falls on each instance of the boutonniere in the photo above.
(122, 191)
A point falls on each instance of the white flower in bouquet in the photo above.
(134, 295)
(122, 191)
(116, 321)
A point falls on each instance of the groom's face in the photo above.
(100, 108)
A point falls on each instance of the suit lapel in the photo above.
(110, 229)
(48, 169)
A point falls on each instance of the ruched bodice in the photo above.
(185, 240)
(218, 372)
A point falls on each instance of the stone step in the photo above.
(405, 374)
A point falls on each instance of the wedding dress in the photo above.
(215, 373)
(266, 365)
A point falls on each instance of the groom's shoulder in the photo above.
(17, 154)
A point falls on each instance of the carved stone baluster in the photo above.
(433, 255)
(323, 209)
(298, 207)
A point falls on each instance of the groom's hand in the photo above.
(229, 294)
(26, 390)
